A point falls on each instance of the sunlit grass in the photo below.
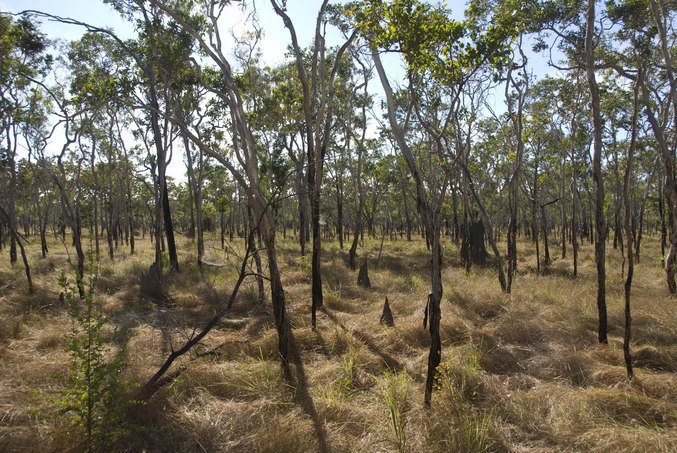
(521, 371)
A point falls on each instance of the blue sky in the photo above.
(273, 45)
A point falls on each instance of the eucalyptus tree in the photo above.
(285, 107)
(628, 224)
(185, 92)
(597, 129)
(121, 120)
(61, 107)
(160, 51)
(437, 56)
(644, 33)
(569, 96)
(95, 86)
(357, 163)
(516, 89)
(23, 58)
(352, 104)
(201, 21)
(573, 25)
(65, 169)
(156, 42)
(318, 88)
(543, 137)
(34, 128)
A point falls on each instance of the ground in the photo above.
(521, 372)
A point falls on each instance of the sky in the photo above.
(273, 45)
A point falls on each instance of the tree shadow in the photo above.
(391, 362)
(298, 381)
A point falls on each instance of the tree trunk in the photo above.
(600, 222)
(11, 198)
(434, 311)
(339, 215)
(169, 229)
(316, 274)
(513, 188)
(24, 257)
(628, 230)
(251, 245)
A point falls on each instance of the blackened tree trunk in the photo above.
(24, 257)
(318, 103)
(339, 213)
(11, 195)
(251, 245)
(478, 252)
(429, 209)
(169, 229)
(222, 219)
(628, 229)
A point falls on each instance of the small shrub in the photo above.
(343, 388)
(91, 404)
(332, 295)
(394, 389)
(459, 424)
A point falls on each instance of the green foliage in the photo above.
(430, 40)
(472, 427)
(93, 403)
(343, 388)
(394, 388)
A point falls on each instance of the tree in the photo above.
(438, 60)
(243, 143)
(318, 110)
(22, 58)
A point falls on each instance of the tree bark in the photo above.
(429, 210)
(628, 229)
(600, 222)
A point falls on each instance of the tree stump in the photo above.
(363, 276)
(387, 316)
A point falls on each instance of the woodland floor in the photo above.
(521, 373)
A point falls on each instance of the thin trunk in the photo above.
(563, 213)
(534, 210)
(222, 215)
(316, 274)
(11, 197)
(251, 245)
(628, 231)
(600, 222)
(669, 192)
(339, 214)
(24, 257)
(110, 229)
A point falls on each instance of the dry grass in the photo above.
(521, 372)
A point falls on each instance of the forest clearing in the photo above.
(367, 225)
(520, 372)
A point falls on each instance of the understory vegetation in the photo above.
(364, 225)
(519, 372)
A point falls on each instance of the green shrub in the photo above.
(92, 404)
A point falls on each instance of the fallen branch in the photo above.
(159, 379)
